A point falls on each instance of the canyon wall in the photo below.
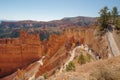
(89, 36)
(69, 39)
(18, 52)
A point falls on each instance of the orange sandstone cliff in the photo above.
(18, 52)
(58, 46)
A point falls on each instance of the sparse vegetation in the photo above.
(45, 76)
(70, 66)
(82, 59)
(88, 57)
(117, 26)
(105, 74)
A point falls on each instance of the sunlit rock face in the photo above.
(72, 37)
(89, 36)
(18, 52)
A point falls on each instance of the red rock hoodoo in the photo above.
(18, 52)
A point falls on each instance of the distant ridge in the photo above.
(77, 21)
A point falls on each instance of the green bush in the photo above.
(70, 66)
(81, 59)
(117, 26)
(88, 57)
(45, 76)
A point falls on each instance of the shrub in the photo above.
(45, 76)
(88, 57)
(81, 59)
(70, 66)
(117, 26)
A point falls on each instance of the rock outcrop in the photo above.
(70, 38)
(89, 36)
(29, 48)
(19, 52)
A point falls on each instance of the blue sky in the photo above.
(45, 10)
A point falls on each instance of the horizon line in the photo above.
(44, 20)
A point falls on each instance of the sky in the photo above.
(46, 10)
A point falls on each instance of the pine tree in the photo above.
(104, 18)
(108, 17)
(114, 15)
(115, 18)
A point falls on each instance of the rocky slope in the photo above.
(98, 70)
(57, 50)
